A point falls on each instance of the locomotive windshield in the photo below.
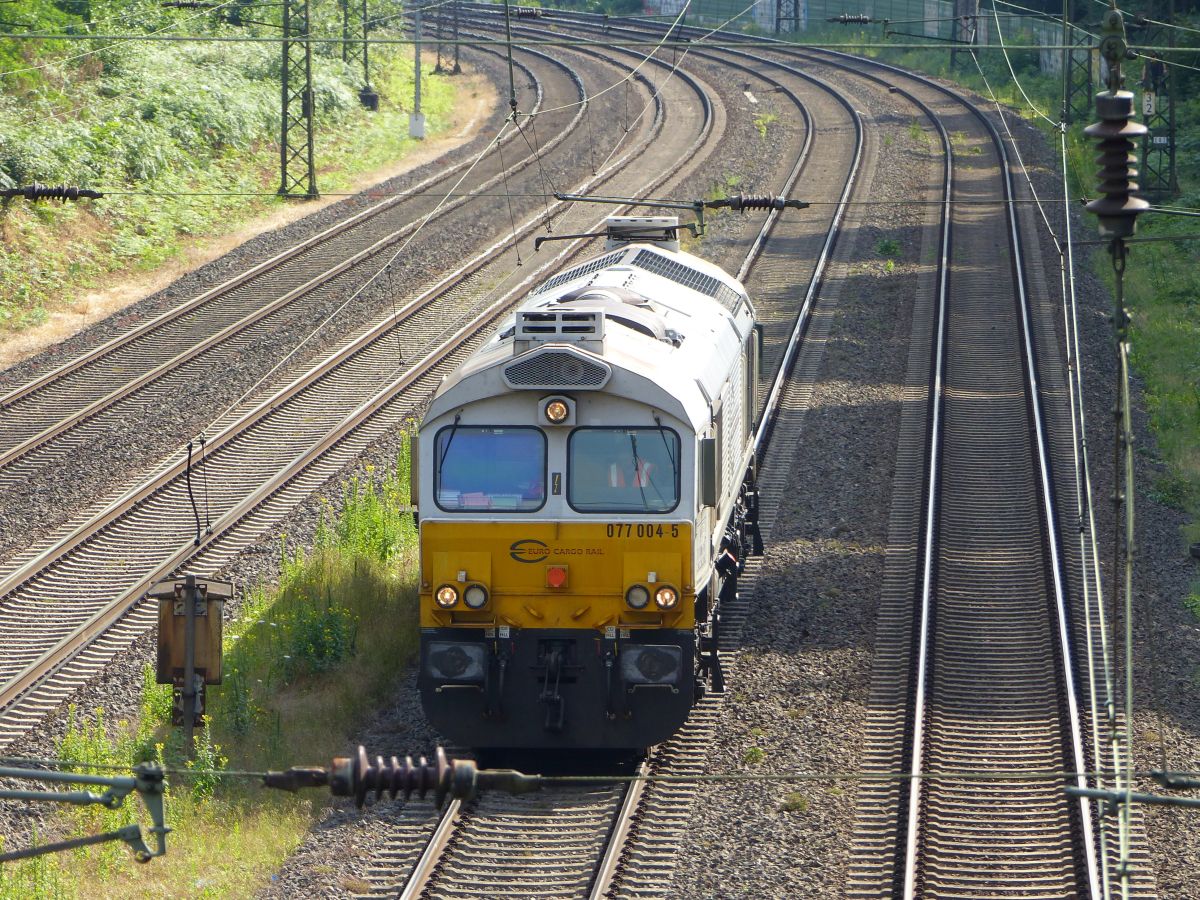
(490, 469)
(625, 470)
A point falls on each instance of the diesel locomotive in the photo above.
(584, 486)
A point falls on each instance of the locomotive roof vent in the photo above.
(558, 325)
(557, 368)
(662, 231)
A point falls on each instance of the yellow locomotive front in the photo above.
(581, 506)
(557, 603)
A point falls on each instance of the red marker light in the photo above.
(556, 576)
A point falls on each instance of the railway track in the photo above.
(990, 680)
(975, 665)
(86, 590)
(487, 849)
(92, 383)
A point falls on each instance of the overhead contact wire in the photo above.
(495, 142)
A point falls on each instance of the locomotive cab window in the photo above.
(623, 470)
(488, 468)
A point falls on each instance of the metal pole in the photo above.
(189, 665)
(345, 5)
(283, 119)
(1066, 63)
(309, 103)
(457, 67)
(438, 30)
(366, 48)
(1173, 176)
(416, 121)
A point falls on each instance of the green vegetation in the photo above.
(794, 802)
(305, 663)
(763, 121)
(888, 247)
(182, 138)
(726, 187)
(753, 756)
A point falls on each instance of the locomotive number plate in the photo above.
(641, 530)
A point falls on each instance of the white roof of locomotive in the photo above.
(705, 312)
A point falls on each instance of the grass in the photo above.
(793, 802)
(763, 121)
(753, 756)
(176, 163)
(888, 247)
(305, 663)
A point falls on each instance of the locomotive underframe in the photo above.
(567, 688)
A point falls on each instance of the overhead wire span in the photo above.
(537, 155)
(1017, 150)
(1095, 624)
(746, 42)
(1043, 14)
(373, 194)
(670, 74)
(1105, 4)
(632, 72)
(1011, 71)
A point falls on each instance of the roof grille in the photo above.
(688, 277)
(579, 271)
(556, 369)
(558, 324)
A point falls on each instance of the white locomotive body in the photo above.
(585, 496)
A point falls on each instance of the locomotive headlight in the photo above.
(666, 597)
(446, 596)
(637, 597)
(557, 412)
(475, 596)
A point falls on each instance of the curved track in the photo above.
(219, 321)
(645, 824)
(975, 646)
(261, 462)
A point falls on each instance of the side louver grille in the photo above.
(556, 370)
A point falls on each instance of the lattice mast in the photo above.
(298, 175)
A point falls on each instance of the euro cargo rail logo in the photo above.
(528, 550)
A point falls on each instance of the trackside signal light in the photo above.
(666, 597)
(446, 596)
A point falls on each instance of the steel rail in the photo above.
(432, 854)
(101, 404)
(1052, 536)
(606, 872)
(65, 649)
